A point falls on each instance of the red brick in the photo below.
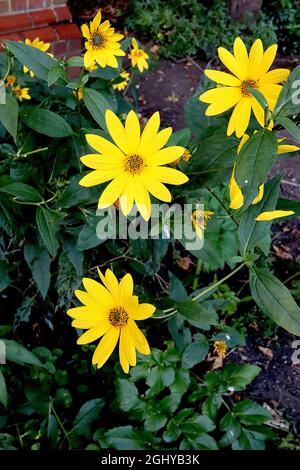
(15, 22)
(4, 7)
(59, 2)
(43, 17)
(11, 36)
(59, 48)
(45, 34)
(36, 4)
(68, 31)
(18, 5)
(63, 13)
(74, 46)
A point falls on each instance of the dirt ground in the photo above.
(166, 89)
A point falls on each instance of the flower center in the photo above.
(133, 164)
(97, 40)
(246, 84)
(118, 317)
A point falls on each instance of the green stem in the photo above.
(32, 152)
(223, 205)
(165, 316)
(196, 278)
(214, 286)
(8, 69)
(61, 426)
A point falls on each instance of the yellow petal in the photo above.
(88, 58)
(85, 313)
(127, 345)
(285, 148)
(127, 197)
(116, 130)
(270, 215)
(85, 31)
(155, 187)
(236, 195)
(98, 292)
(100, 58)
(258, 112)
(158, 141)
(275, 76)
(141, 343)
(268, 58)
(85, 324)
(134, 43)
(132, 132)
(164, 156)
(260, 194)
(126, 287)
(168, 175)
(104, 146)
(106, 346)
(240, 118)
(241, 55)
(142, 198)
(94, 333)
(101, 162)
(230, 62)
(149, 131)
(111, 283)
(224, 99)
(242, 142)
(223, 78)
(96, 22)
(99, 176)
(255, 59)
(113, 191)
(143, 311)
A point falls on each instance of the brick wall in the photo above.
(50, 20)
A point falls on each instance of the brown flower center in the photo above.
(133, 164)
(97, 40)
(118, 317)
(246, 84)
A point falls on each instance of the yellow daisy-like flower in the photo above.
(10, 80)
(21, 93)
(186, 156)
(102, 45)
(133, 163)
(120, 86)
(248, 71)
(138, 57)
(41, 45)
(220, 347)
(199, 221)
(110, 311)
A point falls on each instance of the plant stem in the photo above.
(196, 278)
(8, 69)
(61, 425)
(210, 288)
(165, 316)
(223, 205)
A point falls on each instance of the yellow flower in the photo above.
(92, 67)
(199, 221)
(78, 93)
(10, 80)
(186, 156)
(110, 310)
(21, 93)
(138, 56)
(248, 71)
(270, 215)
(220, 347)
(120, 86)
(102, 45)
(133, 163)
(41, 45)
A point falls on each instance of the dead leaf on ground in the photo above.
(266, 351)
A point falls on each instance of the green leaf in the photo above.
(288, 102)
(39, 261)
(96, 104)
(250, 412)
(254, 162)
(88, 238)
(76, 61)
(201, 442)
(45, 122)
(4, 277)
(177, 291)
(9, 115)
(87, 414)
(55, 73)
(259, 98)
(251, 231)
(23, 191)
(128, 438)
(160, 377)
(196, 314)
(15, 352)
(197, 424)
(288, 205)
(3, 390)
(289, 125)
(74, 194)
(237, 377)
(232, 428)
(181, 137)
(47, 222)
(274, 299)
(195, 352)
(37, 61)
(127, 395)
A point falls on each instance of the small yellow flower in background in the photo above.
(134, 163)
(10, 80)
(186, 156)
(248, 71)
(120, 86)
(92, 67)
(21, 93)
(78, 93)
(41, 45)
(102, 45)
(199, 221)
(138, 57)
(271, 215)
(110, 311)
(220, 347)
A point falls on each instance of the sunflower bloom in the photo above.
(10, 80)
(134, 163)
(41, 45)
(199, 221)
(109, 311)
(120, 86)
(220, 347)
(138, 57)
(102, 43)
(233, 89)
(21, 93)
